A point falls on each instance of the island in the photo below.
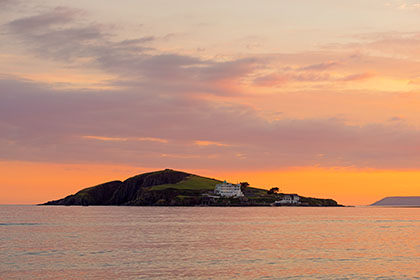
(399, 201)
(176, 188)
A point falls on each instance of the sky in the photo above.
(320, 98)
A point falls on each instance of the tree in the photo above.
(244, 184)
(273, 190)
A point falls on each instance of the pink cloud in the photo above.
(358, 77)
(42, 124)
(156, 112)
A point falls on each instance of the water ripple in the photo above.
(21, 224)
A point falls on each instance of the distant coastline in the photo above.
(176, 188)
(399, 201)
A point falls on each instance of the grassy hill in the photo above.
(172, 188)
(192, 182)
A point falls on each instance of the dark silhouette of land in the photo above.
(398, 201)
(175, 188)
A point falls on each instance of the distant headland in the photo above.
(176, 188)
(401, 201)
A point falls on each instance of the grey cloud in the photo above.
(64, 34)
(45, 36)
(230, 69)
(60, 35)
(58, 16)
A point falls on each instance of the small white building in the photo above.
(288, 199)
(228, 190)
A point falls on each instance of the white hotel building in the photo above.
(288, 199)
(228, 190)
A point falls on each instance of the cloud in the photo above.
(66, 35)
(128, 127)
(58, 35)
(402, 5)
(320, 66)
(106, 138)
(6, 4)
(209, 143)
(396, 119)
(358, 77)
(311, 77)
(415, 81)
(57, 16)
(389, 44)
(159, 112)
(275, 80)
(272, 80)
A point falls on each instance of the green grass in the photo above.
(192, 182)
(254, 192)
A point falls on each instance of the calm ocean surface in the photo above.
(54, 242)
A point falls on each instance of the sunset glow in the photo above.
(320, 98)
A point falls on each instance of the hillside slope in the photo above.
(143, 189)
(172, 188)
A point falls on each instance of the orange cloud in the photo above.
(210, 143)
(118, 139)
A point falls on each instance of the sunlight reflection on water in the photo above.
(51, 242)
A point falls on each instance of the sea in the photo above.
(111, 242)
